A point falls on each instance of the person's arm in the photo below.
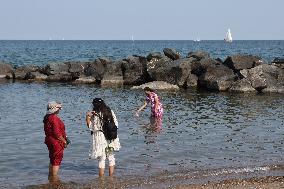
(88, 119)
(142, 107)
(56, 130)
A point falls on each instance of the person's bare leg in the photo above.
(111, 170)
(50, 170)
(101, 172)
(53, 170)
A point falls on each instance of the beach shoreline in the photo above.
(267, 182)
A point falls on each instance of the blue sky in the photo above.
(147, 19)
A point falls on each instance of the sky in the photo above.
(142, 19)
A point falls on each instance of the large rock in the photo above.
(6, 70)
(267, 78)
(157, 85)
(199, 67)
(154, 55)
(242, 85)
(36, 75)
(134, 70)
(213, 76)
(198, 55)
(21, 73)
(176, 72)
(240, 62)
(55, 68)
(113, 75)
(58, 72)
(76, 69)
(279, 62)
(95, 69)
(62, 77)
(171, 53)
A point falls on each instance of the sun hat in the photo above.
(53, 107)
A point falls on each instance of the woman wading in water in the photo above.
(156, 105)
(102, 148)
(55, 138)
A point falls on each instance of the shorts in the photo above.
(55, 153)
(102, 161)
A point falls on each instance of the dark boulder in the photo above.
(95, 69)
(76, 69)
(113, 75)
(199, 67)
(62, 77)
(279, 62)
(56, 68)
(36, 75)
(6, 70)
(198, 55)
(134, 70)
(176, 72)
(240, 62)
(105, 61)
(154, 55)
(171, 53)
(21, 73)
(213, 76)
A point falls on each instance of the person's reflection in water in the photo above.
(151, 131)
(155, 124)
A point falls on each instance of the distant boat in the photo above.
(228, 37)
(197, 40)
(132, 38)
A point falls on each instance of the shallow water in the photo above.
(203, 134)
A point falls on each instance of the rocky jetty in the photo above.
(167, 70)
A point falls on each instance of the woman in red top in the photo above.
(55, 137)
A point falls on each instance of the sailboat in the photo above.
(228, 37)
(132, 38)
(197, 40)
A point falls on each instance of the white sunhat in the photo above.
(53, 107)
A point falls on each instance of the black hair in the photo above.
(99, 106)
(148, 89)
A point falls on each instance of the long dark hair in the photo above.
(99, 106)
(148, 89)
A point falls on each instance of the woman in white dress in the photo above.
(102, 148)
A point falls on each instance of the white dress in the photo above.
(99, 142)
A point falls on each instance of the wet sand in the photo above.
(253, 183)
(270, 182)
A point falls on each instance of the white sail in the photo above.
(228, 37)
(132, 38)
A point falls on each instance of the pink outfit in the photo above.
(151, 98)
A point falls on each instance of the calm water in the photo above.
(42, 52)
(202, 133)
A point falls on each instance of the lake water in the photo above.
(41, 52)
(204, 135)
